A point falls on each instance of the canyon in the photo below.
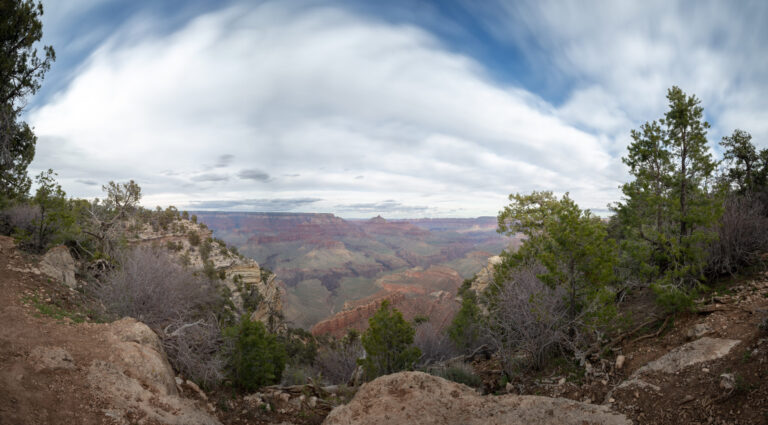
(336, 271)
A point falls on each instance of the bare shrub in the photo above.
(435, 345)
(338, 362)
(19, 218)
(527, 320)
(742, 235)
(194, 350)
(150, 286)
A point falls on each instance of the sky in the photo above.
(398, 108)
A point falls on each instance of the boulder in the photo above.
(701, 350)
(419, 398)
(58, 264)
(138, 378)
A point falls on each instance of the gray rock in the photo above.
(701, 350)
(58, 264)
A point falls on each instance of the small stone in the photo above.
(620, 359)
(727, 381)
(508, 387)
(561, 381)
(312, 402)
(611, 400)
(705, 370)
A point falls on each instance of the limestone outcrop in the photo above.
(419, 398)
(59, 265)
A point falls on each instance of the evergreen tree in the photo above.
(670, 208)
(388, 343)
(21, 71)
(258, 358)
(571, 244)
(745, 168)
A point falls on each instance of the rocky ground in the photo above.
(57, 365)
(699, 368)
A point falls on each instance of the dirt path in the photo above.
(56, 371)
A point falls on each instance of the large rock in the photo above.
(701, 350)
(418, 398)
(138, 378)
(58, 264)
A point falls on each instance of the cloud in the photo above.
(388, 207)
(224, 160)
(325, 95)
(87, 182)
(257, 175)
(210, 177)
(618, 58)
(261, 205)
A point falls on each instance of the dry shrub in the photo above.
(527, 320)
(742, 235)
(153, 288)
(434, 344)
(194, 350)
(150, 286)
(338, 362)
(20, 217)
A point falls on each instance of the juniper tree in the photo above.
(388, 343)
(571, 244)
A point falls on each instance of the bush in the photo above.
(434, 344)
(460, 373)
(194, 238)
(150, 286)
(19, 218)
(465, 328)
(300, 346)
(338, 361)
(528, 320)
(388, 343)
(742, 235)
(298, 375)
(194, 350)
(257, 357)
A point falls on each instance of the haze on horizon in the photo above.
(403, 109)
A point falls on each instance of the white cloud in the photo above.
(306, 100)
(621, 57)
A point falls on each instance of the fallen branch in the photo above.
(655, 334)
(597, 347)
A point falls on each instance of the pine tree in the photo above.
(670, 208)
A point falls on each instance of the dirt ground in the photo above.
(691, 396)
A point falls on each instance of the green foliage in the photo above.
(669, 210)
(300, 346)
(21, 72)
(257, 357)
(464, 330)
(193, 238)
(205, 250)
(209, 270)
(194, 218)
(56, 218)
(388, 343)
(571, 244)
